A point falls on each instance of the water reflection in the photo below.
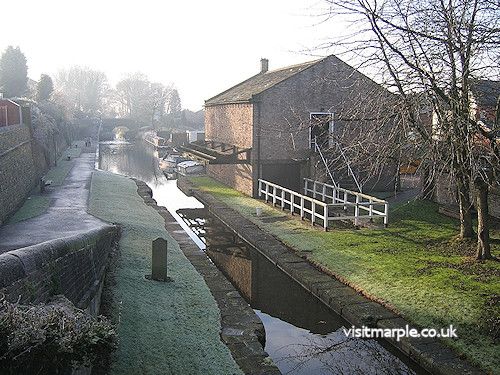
(140, 161)
(303, 335)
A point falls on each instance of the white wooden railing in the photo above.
(363, 205)
(318, 210)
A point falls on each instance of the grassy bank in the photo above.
(414, 266)
(164, 328)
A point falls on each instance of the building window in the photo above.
(321, 128)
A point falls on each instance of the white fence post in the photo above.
(386, 214)
(302, 208)
(314, 189)
(306, 181)
(260, 188)
(325, 213)
(370, 213)
(282, 199)
(274, 196)
(356, 211)
(313, 212)
(267, 191)
(324, 193)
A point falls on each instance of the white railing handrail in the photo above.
(352, 192)
(339, 198)
(349, 167)
(317, 148)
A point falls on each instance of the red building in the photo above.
(10, 113)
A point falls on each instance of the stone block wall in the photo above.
(445, 193)
(18, 172)
(72, 266)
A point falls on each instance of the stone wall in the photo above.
(72, 266)
(445, 193)
(18, 172)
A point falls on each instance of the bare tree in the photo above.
(83, 89)
(431, 52)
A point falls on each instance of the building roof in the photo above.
(243, 92)
(486, 92)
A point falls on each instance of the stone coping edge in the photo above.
(242, 330)
(431, 354)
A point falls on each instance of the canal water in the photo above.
(303, 336)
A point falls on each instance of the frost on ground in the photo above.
(164, 328)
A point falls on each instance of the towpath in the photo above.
(67, 214)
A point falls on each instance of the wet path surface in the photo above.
(303, 336)
(66, 216)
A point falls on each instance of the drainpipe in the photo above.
(256, 105)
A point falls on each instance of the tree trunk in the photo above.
(427, 182)
(465, 206)
(483, 229)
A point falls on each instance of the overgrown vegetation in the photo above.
(50, 338)
(416, 266)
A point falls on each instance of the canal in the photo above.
(303, 336)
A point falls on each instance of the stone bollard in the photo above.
(159, 260)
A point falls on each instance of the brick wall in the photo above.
(230, 123)
(237, 176)
(18, 172)
(73, 266)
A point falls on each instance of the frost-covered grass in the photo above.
(414, 266)
(32, 207)
(164, 328)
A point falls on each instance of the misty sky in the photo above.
(202, 46)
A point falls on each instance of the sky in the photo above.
(202, 47)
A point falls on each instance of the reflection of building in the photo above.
(267, 126)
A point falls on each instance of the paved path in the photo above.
(66, 216)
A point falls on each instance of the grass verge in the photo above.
(34, 206)
(164, 328)
(415, 267)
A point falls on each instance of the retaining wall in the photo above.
(72, 266)
(18, 174)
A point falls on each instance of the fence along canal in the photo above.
(303, 336)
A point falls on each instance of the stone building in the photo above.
(268, 126)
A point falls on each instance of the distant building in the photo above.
(10, 113)
(271, 125)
